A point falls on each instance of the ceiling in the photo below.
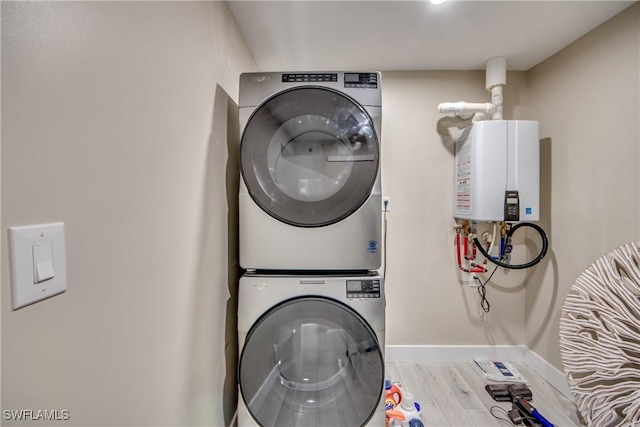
(413, 35)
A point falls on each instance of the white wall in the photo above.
(587, 101)
(118, 118)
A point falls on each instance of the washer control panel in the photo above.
(367, 288)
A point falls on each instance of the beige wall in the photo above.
(426, 302)
(118, 118)
(587, 101)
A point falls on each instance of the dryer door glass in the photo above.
(309, 156)
(311, 361)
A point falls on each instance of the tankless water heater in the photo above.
(497, 171)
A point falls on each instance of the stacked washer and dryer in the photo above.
(311, 308)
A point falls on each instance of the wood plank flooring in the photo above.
(453, 394)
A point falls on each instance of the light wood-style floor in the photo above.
(453, 394)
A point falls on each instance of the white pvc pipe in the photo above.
(466, 107)
(496, 79)
(496, 100)
(496, 72)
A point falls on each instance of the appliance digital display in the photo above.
(354, 286)
(351, 78)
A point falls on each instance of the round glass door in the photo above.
(311, 361)
(309, 156)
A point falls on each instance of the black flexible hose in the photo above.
(543, 251)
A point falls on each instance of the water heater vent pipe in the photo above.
(496, 79)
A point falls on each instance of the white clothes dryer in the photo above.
(309, 196)
(311, 350)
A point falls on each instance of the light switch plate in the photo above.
(22, 240)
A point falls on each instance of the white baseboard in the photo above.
(550, 373)
(468, 353)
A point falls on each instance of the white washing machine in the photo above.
(310, 161)
(311, 350)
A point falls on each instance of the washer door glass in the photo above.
(311, 361)
(309, 156)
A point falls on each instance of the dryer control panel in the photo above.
(368, 288)
(351, 80)
(309, 77)
(362, 80)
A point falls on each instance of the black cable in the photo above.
(543, 251)
(484, 302)
(505, 420)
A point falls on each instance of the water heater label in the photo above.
(463, 179)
